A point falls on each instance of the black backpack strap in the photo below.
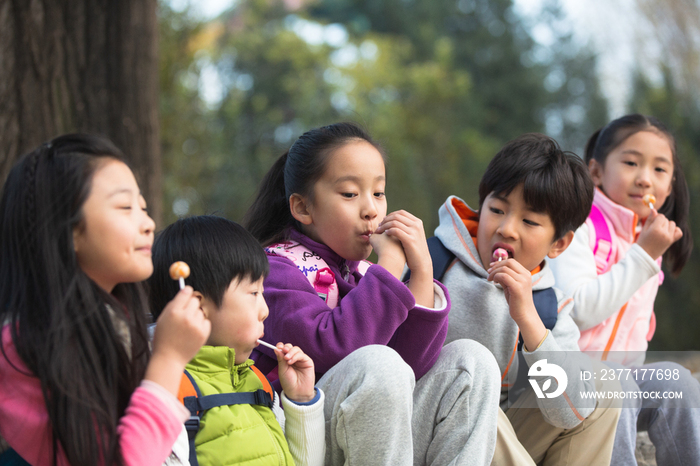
(192, 424)
(203, 403)
(198, 404)
(546, 305)
(441, 256)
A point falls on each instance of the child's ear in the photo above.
(205, 305)
(596, 171)
(560, 245)
(300, 209)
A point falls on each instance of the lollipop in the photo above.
(264, 343)
(500, 254)
(650, 200)
(179, 271)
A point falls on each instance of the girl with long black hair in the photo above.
(77, 383)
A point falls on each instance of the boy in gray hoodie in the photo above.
(531, 199)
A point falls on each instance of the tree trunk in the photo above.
(82, 66)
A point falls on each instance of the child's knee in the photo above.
(473, 357)
(382, 366)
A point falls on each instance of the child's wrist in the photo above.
(422, 273)
(165, 371)
(393, 265)
(533, 332)
(300, 398)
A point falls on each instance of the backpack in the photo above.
(545, 300)
(193, 400)
(314, 268)
(600, 239)
(603, 247)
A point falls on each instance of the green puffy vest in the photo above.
(237, 434)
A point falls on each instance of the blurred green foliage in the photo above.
(440, 84)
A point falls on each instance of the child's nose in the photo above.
(264, 311)
(369, 210)
(507, 228)
(148, 225)
(644, 177)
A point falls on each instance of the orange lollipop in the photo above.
(650, 200)
(179, 271)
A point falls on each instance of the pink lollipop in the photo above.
(500, 254)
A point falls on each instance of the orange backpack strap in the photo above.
(186, 388)
(265, 383)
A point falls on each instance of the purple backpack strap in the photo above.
(601, 239)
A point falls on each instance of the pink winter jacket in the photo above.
(147, 431)
(614, 310)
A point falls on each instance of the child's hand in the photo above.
(181, 330)
(658, 234)
(390, 253)
(408, 229)
(516, 281)
(296, 373)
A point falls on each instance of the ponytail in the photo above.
(676, 208)
(296, 172)
(269, 215)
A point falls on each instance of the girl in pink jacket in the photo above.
(612, 270)
(77, 383)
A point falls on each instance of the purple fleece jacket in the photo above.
(376, 309)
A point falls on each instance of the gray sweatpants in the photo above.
(675, 432)
(377, 414)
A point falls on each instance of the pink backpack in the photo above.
(601, 242)
(604, 250)
(314, 268)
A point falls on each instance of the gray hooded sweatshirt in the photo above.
(480, 312)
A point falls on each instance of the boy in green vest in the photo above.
(228, 267)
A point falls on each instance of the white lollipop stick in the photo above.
(264, 343)
(650, 199)
(182, 283)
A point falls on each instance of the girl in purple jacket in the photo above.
(392, 395)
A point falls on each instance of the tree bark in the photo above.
(82, 66)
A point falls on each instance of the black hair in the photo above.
(296, 172)
(677, 204)
(555, 182)
(68, 331)
(217, 251)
